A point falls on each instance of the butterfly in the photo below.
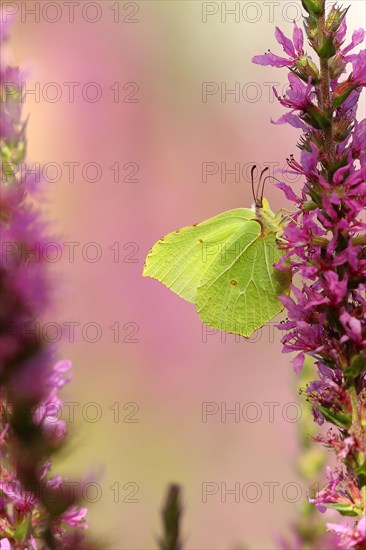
(224, 265)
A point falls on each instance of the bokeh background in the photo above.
(138, 389)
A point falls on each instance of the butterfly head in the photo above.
(269, 221)
(264, 204)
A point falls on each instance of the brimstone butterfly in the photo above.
(224, 266)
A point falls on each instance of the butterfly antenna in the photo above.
(264, 182)
(259, 201)
(254, 167)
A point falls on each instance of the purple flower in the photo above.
(328, 392)
(343, 447)
(351, 537)
(75, 517)
(341, 491)
(336, 289)
(359, 141)
(47, 414)
(310, 161)
(298, 96)
(20, 500)
(353, 328)
(294, 50)
(300, 541)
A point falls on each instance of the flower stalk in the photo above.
(171, 519)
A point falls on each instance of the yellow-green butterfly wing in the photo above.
(240, 296)
(181, 259)
(225, 266)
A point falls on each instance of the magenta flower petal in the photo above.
(309, 160)
(272, 60)
(342, 31)
(298, 39)
(357, 38)
(290, 195)
(352, 326)
(336, 288)
(358, 64)
(298, 362)
(285, 42)
(293, 120)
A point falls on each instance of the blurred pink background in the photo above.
(164, 366)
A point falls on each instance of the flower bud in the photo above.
(312, 29)
(355, 494)
(342, 91)
(308, 206)
(313, 7)
(324, 45)
(342, 127)
(335, 18)
(316, 118)
(336, 66)
(305, 67)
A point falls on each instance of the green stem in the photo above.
(171, 516)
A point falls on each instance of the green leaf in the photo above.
(361, 470)
(345, 509)
(339, 419)
(357, 366)
(24, 529)
(225, 267)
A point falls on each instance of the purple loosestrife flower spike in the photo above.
(36, 510)
(325, 244)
